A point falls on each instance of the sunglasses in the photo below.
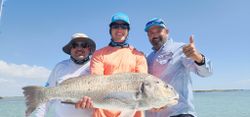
(80, 45)
(117, 26)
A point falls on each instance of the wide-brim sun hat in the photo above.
(80, 37)
(155, 22)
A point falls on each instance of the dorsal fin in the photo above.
(73, 79)
(70, 80)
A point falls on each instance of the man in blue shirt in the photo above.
(173, 62)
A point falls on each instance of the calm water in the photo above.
(223, 104)
(208, 104)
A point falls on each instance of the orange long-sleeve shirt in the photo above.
(110, 60)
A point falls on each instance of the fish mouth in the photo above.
(174, 100)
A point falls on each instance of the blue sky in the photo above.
(33, 32)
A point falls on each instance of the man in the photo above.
(172, 62)
(117, 57)
(79, 48)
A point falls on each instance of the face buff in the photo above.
(123, 44)
(80, 62)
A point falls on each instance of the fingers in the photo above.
(191, 39)
(77, 105)
(158, 109)
(153, 110)
(89, 103)
(189, 51)
(85, 102)
(188, 47)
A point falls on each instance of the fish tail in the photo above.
(34, 96)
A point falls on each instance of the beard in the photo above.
(157, 42)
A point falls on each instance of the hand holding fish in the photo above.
(158, 109)
(85, 102)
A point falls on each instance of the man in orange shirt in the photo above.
(117, 57)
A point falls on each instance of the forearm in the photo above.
(205, 69)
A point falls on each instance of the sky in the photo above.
(33, 32)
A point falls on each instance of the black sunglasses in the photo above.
(117, 26)
(80, 45)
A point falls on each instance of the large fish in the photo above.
(123, 91)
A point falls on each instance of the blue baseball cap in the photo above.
(120, 17)
(155, 22)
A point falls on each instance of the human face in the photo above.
(79, 50)
(157, 36)
(119, 31)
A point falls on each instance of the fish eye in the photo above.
(166, 86)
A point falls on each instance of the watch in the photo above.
(202, 62)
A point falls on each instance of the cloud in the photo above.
(23, 70)
(13, 77)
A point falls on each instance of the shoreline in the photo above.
(220, 90)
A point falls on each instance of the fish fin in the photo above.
(73, 79)
(120, 97)
(129, 112)
(34, 97)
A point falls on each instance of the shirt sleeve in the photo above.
(96, 64)
(141, 63)
(201, 70)
(42, 110)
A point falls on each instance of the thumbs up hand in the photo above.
(190, 51)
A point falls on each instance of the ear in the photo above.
(167, 31)
(110, 31)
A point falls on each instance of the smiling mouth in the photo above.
(119, 34)
(79, 52)
(155, 38)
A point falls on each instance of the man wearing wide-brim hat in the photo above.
(80, 37)
(80, 48)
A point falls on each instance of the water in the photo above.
(208, 104)
(223, 104)
(15, 107)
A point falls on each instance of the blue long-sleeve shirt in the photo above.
(171, 65)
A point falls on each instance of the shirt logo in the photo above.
(164, 58)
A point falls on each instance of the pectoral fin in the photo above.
(123, 97)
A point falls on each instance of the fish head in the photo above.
(157, 93)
